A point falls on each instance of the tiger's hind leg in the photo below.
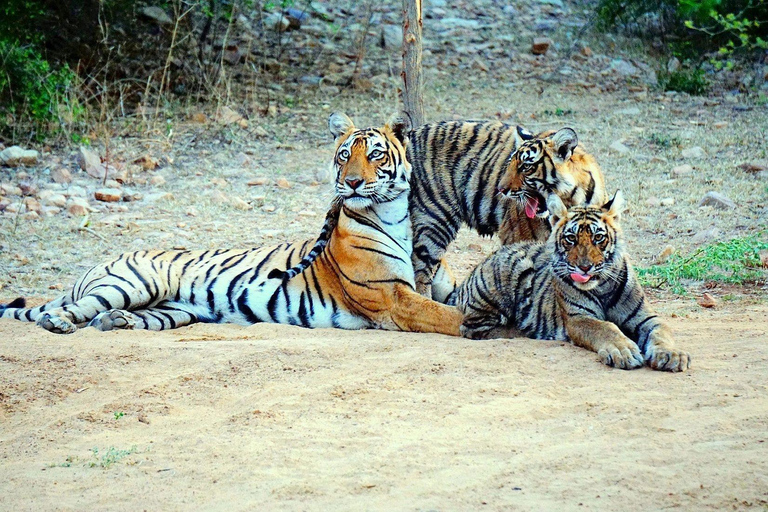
(162, 316)
(429, 245)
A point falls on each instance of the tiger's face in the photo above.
(369, 166)
(533, 169)
(585, 239)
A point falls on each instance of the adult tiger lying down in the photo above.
(363, 278)
(578, 286)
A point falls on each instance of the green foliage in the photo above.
(690, 81)
(109, 457)
(663, 140)
(29, 89)
(736, 261)
(726, 26)
(119, 415)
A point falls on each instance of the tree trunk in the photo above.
(412, 79)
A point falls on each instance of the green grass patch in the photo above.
(735, 262)
(690, 81)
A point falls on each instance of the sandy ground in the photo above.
(277, 417)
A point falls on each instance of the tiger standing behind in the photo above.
(361, 277)
(579, 286)
(493, 177)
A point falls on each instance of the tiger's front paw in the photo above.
(626, 356)
(55, 323)
(668, 360)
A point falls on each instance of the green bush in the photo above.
(30, 91)
(691, 81)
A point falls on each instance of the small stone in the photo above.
(50, 211)
(717, 200)
(130, 196)
(624, 68)
(720, 124)
(240, 204)
(653, 202)
(753, 168)
(78, 207)
(7, 189)
(30, 216)
(147, 162)
(90, 162)
(158, 197)
(618, 147)
(33, 205)
(143, 418)
(665, 254)
(283, 183)
(658, 160)
(269, 208)
(707, 301)
(28, 188)
(15, 156)
(667, 201)
(228, 116)
(763, 255)
(108, 195)
(258, 181)
(541, 45)
(681, 170)
(259, 132)
(460, 23)
(673, 65)
(277, 21)
(694, 152)
(157, 15)
(61, 175)
(157, 180)
(199, 117)
(14, 207)
(219, 182)
(705, 236)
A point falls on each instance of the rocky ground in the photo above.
(249, 167)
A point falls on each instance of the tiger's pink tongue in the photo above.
(580, 278)
(531, 207)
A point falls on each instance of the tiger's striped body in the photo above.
(578, 287)
(484, 174)
(363, 277)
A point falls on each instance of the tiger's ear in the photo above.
(339, 124)
(557, 209)
(400, 124)
(565, 141)
(521, 135)
(615, 205)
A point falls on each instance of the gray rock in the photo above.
(157, 15)
(673, 65)
(459, 23)
(544, 25)
(705, 236)
(694, 152)
(717, 200)
(510, 11)
(681, 170)
(277, 21)
(624, 68)
(618, 147)
(392, 35)
(15, 156)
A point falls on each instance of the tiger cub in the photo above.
(493, 177)
(363, 277)
(578, 286)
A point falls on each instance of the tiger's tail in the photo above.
(17, 308)
(331, 221)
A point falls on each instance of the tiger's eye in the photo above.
(375, 154)
(343, 154)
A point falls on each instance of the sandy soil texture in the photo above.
(282, 418)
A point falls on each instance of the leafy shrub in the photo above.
(691, 81)
(736, 261)
(29, 89)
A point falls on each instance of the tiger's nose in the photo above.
(502, 190)
(585, 268)
(354, 182)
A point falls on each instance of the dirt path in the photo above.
(277, 417)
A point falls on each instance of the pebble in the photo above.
(720, 124)
(269, 208)
(541, 45)
(219, 182)
(283, 183)
(681, 170)
(157, 180)
(61, 175)
(240, 204)
(258, 181)
(33, 205)
(108, 195)
(665, 254)
(717, 200)
(277, 21)
(694, 152)
(619, 147)
(15, 156)
(705, 236)
(667, 201)
(8, 189)
(78, 207)
(460, 23)
(763, 255)
(707, 301)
